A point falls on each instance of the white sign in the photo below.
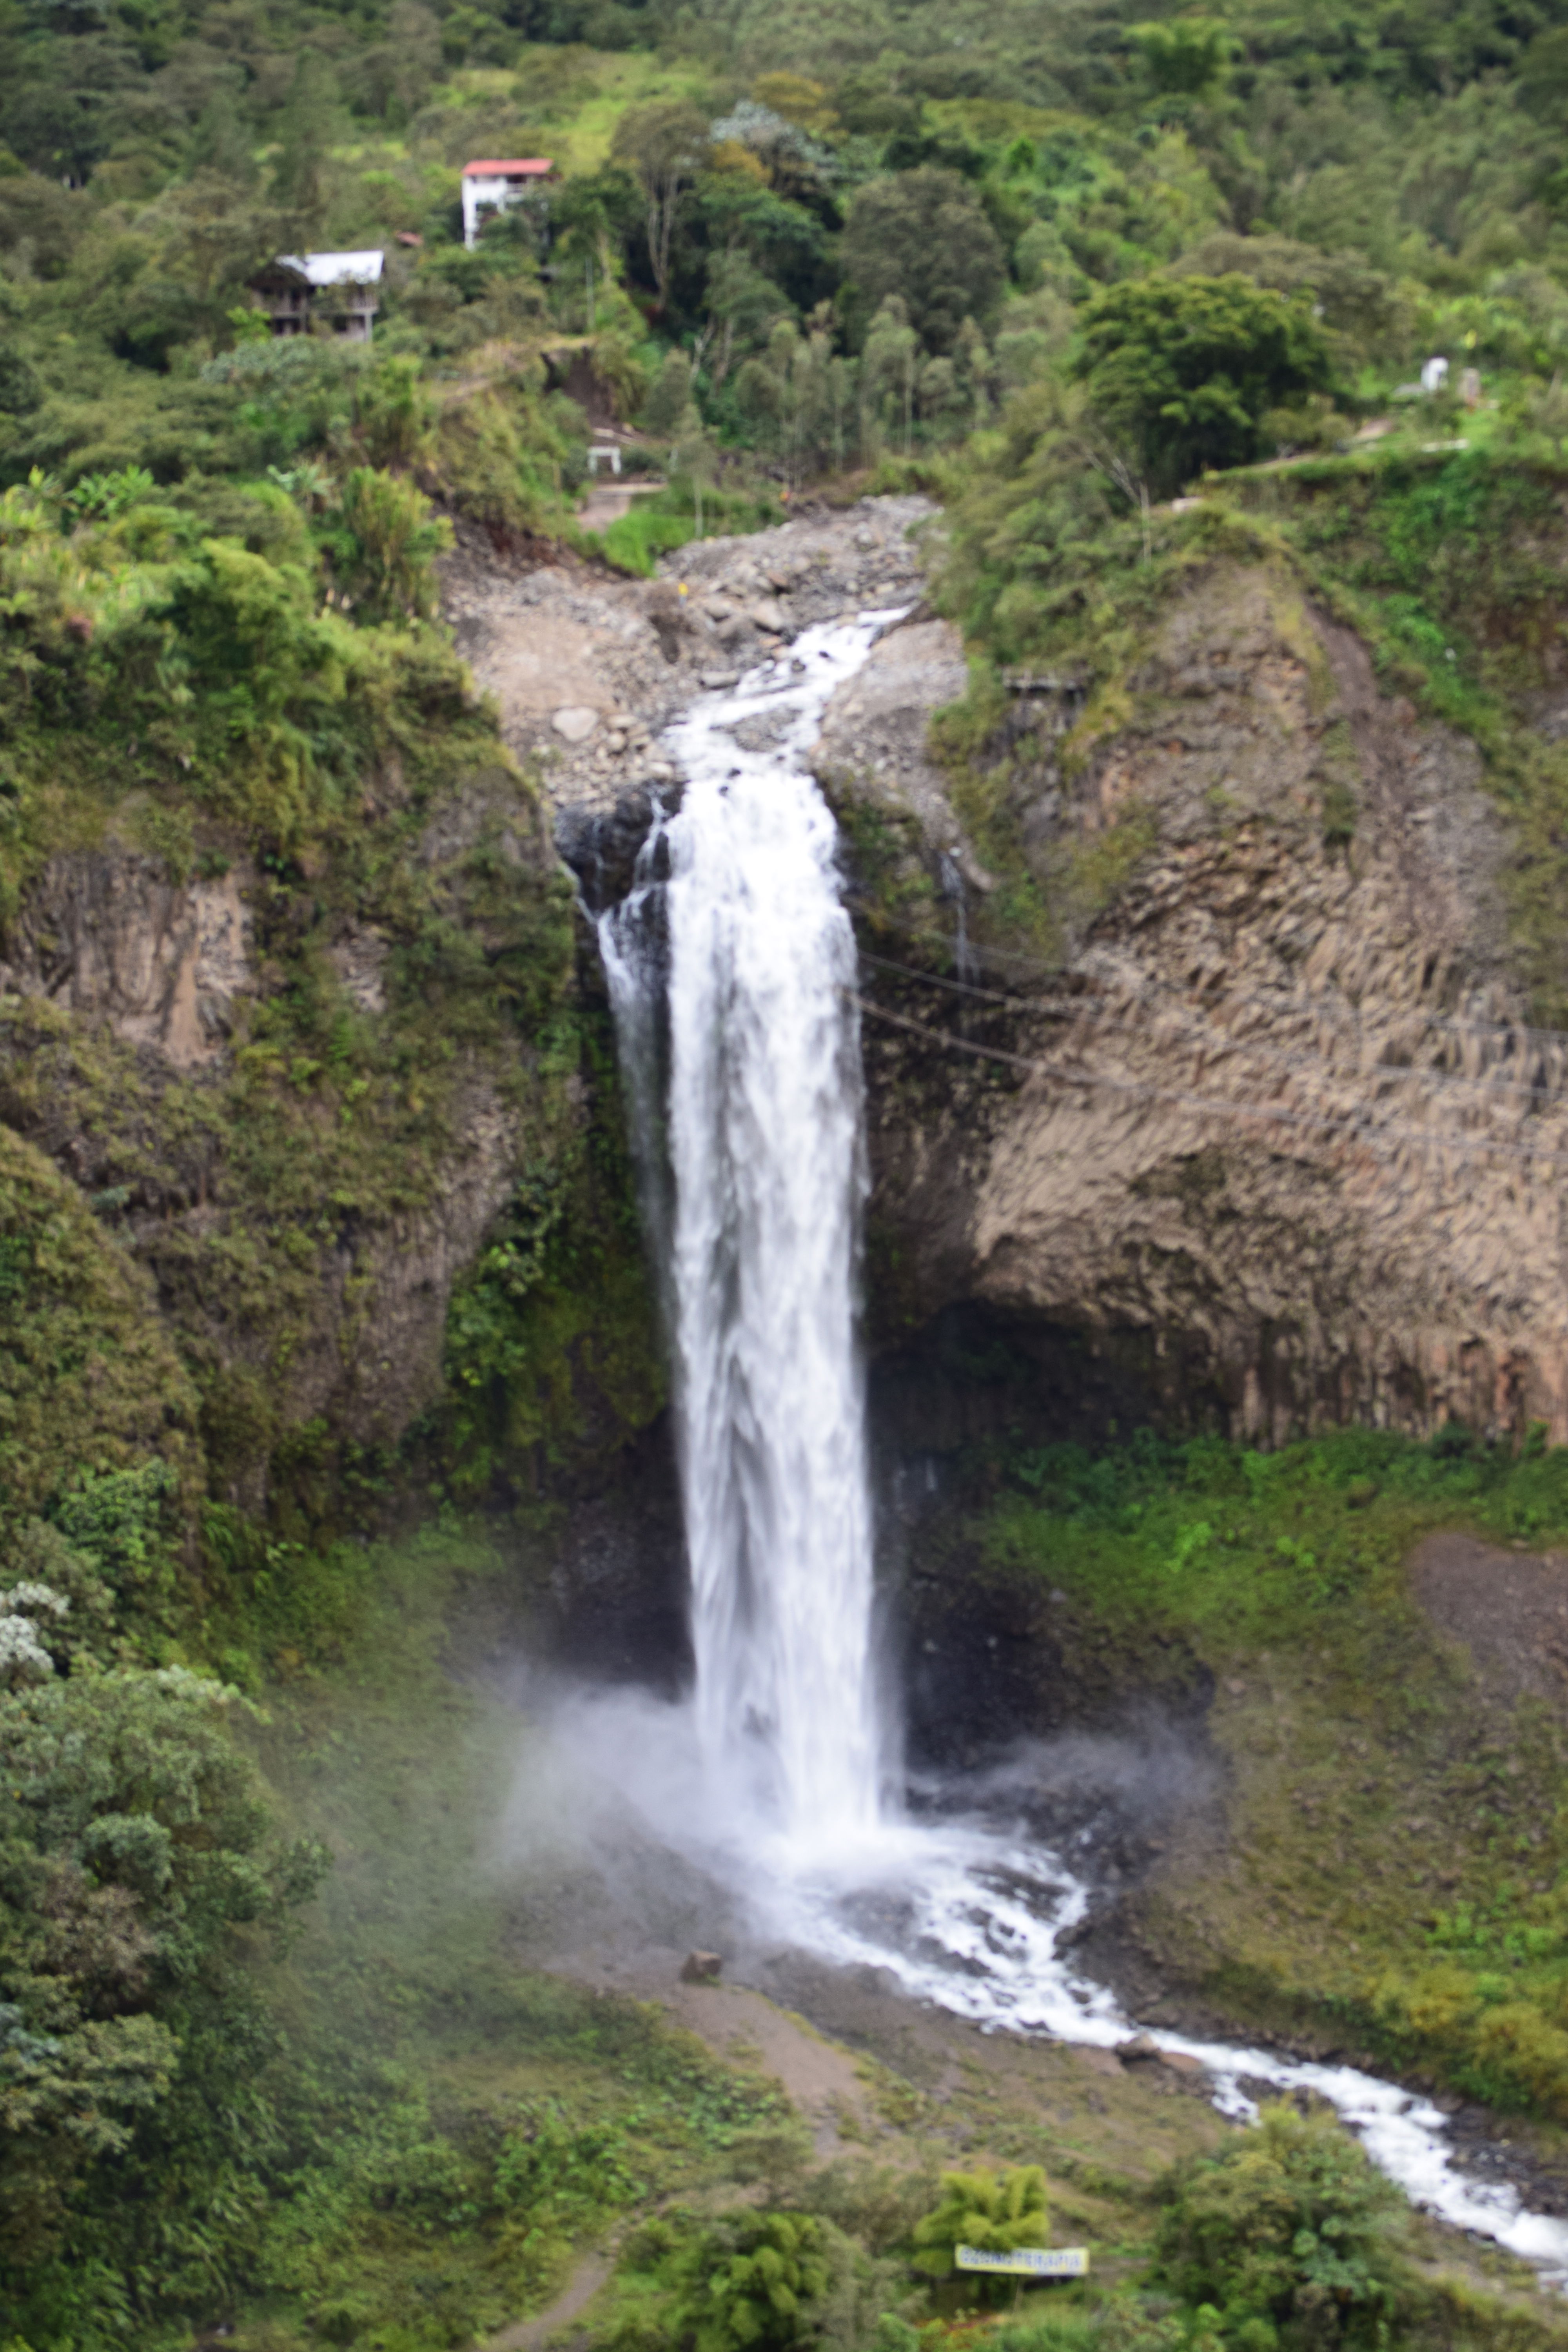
(1026, 2262)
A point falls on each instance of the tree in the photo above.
(889, 367)
(796, 396)
(1182, 370)
(1367, 313)
(995, 2212)
(664, 146)
(382, 541)
(923, 236)
(1186, 57)
(696, 461)
(671, 395)
(742, 305)
(1544, 77)
(135, 1845)
(393, 414)
(299, 168)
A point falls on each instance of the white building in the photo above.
(494, 187)
(338, 288)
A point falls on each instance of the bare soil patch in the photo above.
(1509, 1610)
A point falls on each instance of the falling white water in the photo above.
(765, 1149)
(774, 1777)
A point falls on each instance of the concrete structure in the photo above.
(491, 187)
(339, 289)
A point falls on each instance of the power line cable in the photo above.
(1272, 1000)
(1086, 1007)
(1350, 1125)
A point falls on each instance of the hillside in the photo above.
(1219, 761)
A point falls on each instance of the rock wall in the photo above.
(303, 1247)
(1266, 1131)
(110, 934)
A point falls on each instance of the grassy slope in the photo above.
(421, 2045)
(1393, 1870)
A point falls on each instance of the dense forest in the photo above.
(1052, 265)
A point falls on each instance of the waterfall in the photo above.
(756, 1187)
(730, 966)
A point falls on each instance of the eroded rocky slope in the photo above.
(1287, 1147)
(1257, 1132)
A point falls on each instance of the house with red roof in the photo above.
(492, 187)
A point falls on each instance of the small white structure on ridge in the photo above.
(1433, 375)
(494, 187)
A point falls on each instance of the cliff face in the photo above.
(1265, 1130)
(291, 1114)
(1232, 1119)
(110, 933)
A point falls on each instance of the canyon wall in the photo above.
(1257, 1131)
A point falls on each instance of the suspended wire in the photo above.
(1272, 1000)
(1352, 1125)
(1286, 1057)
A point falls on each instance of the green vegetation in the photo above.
(1354, 1728)
(336, 1224)
(1445, 560)
(996, 2213)
(369, 2119)
(87, 1371)
(1294, 2229)
(1183, 370)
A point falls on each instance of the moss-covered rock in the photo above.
(89, 1376)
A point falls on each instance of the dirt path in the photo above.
(607, 502)
(528, 2335)
(822, 2078)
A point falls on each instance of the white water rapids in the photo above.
(732, 963)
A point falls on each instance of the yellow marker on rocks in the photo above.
(1024, 2261)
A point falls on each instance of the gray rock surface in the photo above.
(1266, 1132)
(1272, 1126)
(589, 669)
(108, 933)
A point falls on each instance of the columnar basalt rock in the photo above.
(1289, 1148)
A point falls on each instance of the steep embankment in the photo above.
(1260, 1127)
(1240, 1121)
(276, 1064)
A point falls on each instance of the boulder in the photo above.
(575, 721)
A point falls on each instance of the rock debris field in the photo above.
(589, 669)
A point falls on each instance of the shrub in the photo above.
(752, 2282)
(383, 541)
(995, 2212)
(1292, 2224)
(138, 1862)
